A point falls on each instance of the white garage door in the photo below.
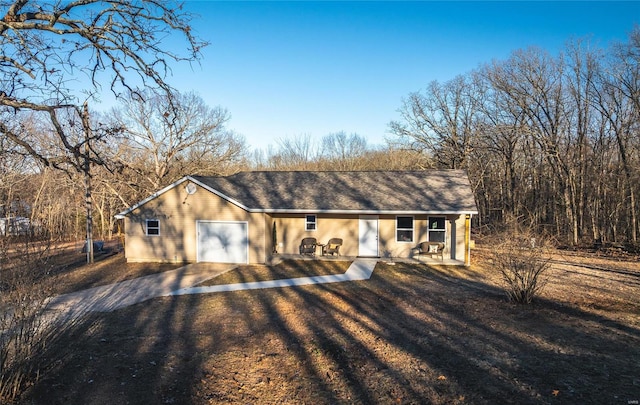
(223, 242)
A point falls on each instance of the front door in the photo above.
(368, 239)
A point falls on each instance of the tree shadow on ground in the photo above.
(410, 334)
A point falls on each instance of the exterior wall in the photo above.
(387, 243)
(454, 228)
(290, 231)
(178, 212)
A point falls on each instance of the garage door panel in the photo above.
(222, 242)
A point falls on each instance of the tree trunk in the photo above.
(87, 183)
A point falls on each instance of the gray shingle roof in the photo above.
(443, 191)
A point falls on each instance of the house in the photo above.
(15, 226)
(246, 217)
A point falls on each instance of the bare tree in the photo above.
(165, 138)
(441, 120)
(552, 141)
(536, 81)
(295, 153)
(58, 57)
(622, 89)
(343, 151)
(502, 130)
(52, 49)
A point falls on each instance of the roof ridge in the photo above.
(336, 171)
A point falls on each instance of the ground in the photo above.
(411, 334)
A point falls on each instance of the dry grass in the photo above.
(411, 334)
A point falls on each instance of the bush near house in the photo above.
(522, 258)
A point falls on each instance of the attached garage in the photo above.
(223, 242)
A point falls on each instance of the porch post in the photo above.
(467, 240)
(453, 239)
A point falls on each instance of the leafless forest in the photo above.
(551, 141)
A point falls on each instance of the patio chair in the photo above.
(431, 249)
(308, 246)
(332, 247)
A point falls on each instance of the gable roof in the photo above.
(374, 192)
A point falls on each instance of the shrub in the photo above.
(24, 331)
(522, 260)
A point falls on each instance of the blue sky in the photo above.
(285, 69)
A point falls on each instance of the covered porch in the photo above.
(279, 257)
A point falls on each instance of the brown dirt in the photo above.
(286, 269)
(71, 272)
(411, 334)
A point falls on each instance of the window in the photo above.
(436, 229)
(404, 229)
(153, 227)
(310, 223)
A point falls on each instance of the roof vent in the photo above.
(191, 188)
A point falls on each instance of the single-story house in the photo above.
(248, 216)
(16, 226)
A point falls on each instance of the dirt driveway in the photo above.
(412, 334)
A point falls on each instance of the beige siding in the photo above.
(390, 247)
(178, 212)
(291, 231)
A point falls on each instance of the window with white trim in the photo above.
(152, 227)
(404, 229)
(437, 229)
(310, 223)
